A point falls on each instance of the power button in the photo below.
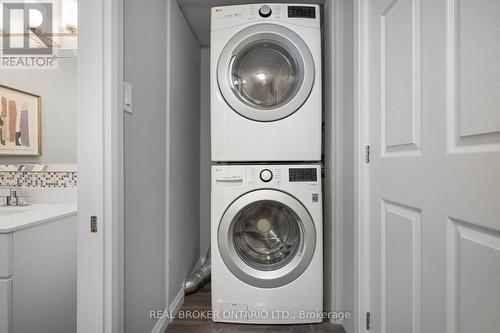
(266, 175)
(265, 11)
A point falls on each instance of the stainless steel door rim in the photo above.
(284, 49)
(278, 275)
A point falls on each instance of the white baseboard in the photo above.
(173, 308)
(162, 323)
(170, 313)
(176, 304)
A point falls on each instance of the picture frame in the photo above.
(20, 122)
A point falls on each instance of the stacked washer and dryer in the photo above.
(266, 119)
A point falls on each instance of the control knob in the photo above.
(266, 175)
(265, 11)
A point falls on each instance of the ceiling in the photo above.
(197, 13)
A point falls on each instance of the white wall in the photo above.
(205, 159)
(145, 57)
(184, 157)
(330, 166)
(58, 89)
(189, 157)
(348, 149)
(339, 159)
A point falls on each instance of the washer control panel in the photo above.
(234, 177)
(260, 175)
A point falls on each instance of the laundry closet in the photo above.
(188, 140)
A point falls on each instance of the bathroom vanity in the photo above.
(38, 268)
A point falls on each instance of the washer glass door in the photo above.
(266, 238)
(265, 72)
(266, 234)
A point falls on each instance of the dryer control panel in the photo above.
(230, 16)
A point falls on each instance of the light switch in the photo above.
(127, 96)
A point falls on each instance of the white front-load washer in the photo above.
(265, 82)
(267, 248)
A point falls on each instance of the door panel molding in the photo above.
(472, 130)
(468, 280)
(401, 81)
(394, 216)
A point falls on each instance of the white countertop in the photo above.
(13, 218)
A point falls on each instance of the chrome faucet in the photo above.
(13, 199)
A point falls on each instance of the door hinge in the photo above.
(367, 154)
(368, 320)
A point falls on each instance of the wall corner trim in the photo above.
(176, 303)
(162, 323)
(171, 312)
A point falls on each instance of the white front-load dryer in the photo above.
(265, 82)
(267, 249)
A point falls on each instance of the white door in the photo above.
(434, 108)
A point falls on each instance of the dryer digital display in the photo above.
(302, 175)
(301, 12)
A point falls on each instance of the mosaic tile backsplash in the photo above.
(37, 175)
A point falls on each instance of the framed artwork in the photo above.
(20, 123)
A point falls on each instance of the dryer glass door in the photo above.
(266, 238)
(265, 72)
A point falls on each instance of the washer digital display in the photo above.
(301, 11)
(302, 175)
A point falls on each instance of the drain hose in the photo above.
(199, 277)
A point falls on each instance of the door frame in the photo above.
(361, 177)
(100, 188)
(100, 167)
